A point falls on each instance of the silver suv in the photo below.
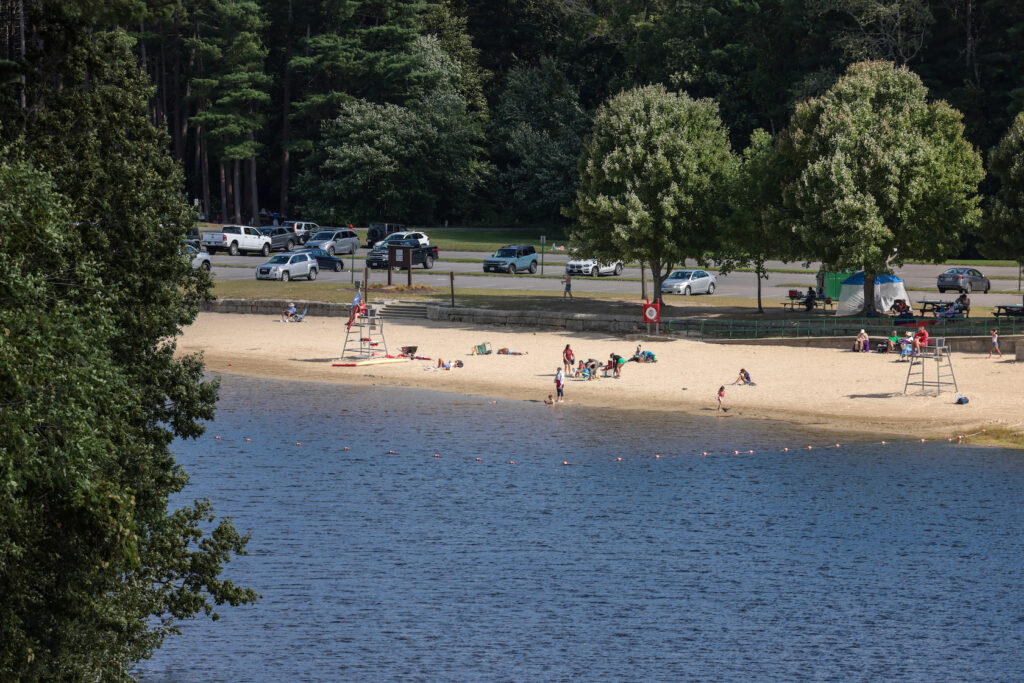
(285, 267)
(343, 241)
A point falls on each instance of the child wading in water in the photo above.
(995, 344)
(721, 397)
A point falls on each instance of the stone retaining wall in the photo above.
(574, 322)
(317, 309)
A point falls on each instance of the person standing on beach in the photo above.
(568, 358)
(567, 281)
(995, 344)
(721, 398)
(559, 384)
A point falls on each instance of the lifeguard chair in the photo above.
(917, 376)
(364, 337)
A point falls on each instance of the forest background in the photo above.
(474, 112)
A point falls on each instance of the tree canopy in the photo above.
(1004, 216)
(653, 179)
(877, 174)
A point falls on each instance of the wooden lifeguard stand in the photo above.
(364, 338)
(917, 375)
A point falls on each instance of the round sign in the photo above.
(650, 313)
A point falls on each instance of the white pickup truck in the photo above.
(236, 238)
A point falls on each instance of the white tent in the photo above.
(888, 288)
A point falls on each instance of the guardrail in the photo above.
(707, 328)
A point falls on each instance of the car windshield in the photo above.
(323, 235)
(405, 243)
(956, 271)
(506, 253)
(395, 236)
(680, 275)
(280, 258)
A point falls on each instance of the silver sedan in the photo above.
(689, 281)
(965, 280)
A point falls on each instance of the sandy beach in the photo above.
(826, 389)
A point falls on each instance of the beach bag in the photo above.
(458, 363)
(961, 400)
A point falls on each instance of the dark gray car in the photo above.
(280, 238)
(963, 280)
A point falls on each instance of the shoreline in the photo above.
(817, 389)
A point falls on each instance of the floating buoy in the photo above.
(565, 462)
(704, 453)
(345, 448)
(750, 451)
(436, 455)
(883, 443)
(837, 445)
(785, 450)
(618, 459)
(248, 439)
(298, 443)
(392, 453)
(217, 437)
(656, 456)
(511, 462)
(922, 440)
(810, 447)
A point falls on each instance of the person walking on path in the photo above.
(995, 344)
(567, 281)
(568, 358)
(559, 384)
(721, 398)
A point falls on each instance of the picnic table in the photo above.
(1009, 311)
(933, 306)
(795, 300)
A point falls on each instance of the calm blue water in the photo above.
(903, 561)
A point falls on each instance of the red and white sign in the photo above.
(652, 313)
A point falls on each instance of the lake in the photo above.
(863, 561)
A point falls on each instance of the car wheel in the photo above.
(312, 274)
(511, 269)
(289, 246)
(941, 290)
(233, 249)
(285, 277)
(205, 265)
(533, 267)
(265, 250)
(330, 250)
(711, 288)
(338, 267)
(686, 291)
(967, 289)
(618, 269)
(595, 271)
(428, 262)
(986, 290)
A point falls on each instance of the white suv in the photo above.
(590, 266)
(303, 229)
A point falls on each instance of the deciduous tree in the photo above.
(877, 174)
(653, 178)
(1004, 215)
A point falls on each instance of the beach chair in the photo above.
(300, 317)
(482, 349)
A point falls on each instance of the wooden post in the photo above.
(408, 265)
(366, 285)
(451, 277)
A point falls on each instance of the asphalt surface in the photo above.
(737, 284)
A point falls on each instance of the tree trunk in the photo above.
(643, 282)
(179, 121)
(285, 133)
(253, 191)
(760, 274)
(223, 192)
(869, 290)
(236, 189)
(205, 172)
(197, 161)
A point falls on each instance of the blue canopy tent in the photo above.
(888, 288)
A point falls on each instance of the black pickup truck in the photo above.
(424, 255)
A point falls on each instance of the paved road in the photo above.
(742, 285)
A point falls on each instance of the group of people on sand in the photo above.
(742, 379)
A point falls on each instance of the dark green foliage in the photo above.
(1004, 213)
(94, 569)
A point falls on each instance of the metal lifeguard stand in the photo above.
(365, 336)
(917, 375)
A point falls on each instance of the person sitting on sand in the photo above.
(862, 342)
(288, 315)
(510, 352)
(638, 355)
(744, 378)
(549, 401)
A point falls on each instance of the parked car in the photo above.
(287, 267)
(199, 259)
(302, 230)
(323, 260)
(512, 259)
(378, 231)
(340, 241)
(379, 256)
(592, 267)
(689, 281)
(236, 238)
(281, 238)
(963, 280)
(420, 237)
